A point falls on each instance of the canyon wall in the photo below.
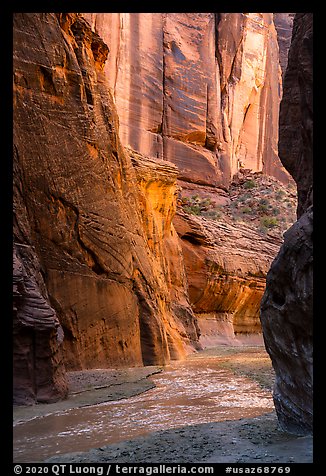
(105, 274)
(95, 265)
(287, 305)
(226, 266)
(284, 24)
(194, 88)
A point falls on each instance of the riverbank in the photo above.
(91, 387)
(254, 438)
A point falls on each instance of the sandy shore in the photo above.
(89, 387)
(247, 440)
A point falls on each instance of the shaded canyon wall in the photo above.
(287, 305)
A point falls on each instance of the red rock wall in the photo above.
(199, 89)
(226, 267)
(105, 263)
(79, 207)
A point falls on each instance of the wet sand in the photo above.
(237, 439)
(254, 440)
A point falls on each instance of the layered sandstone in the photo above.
(101, 278)
(287, 305)
(37, 335)
(77, 190)
(194, 88)
(226, 267)
(157, 197)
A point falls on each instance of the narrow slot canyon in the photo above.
(162, 237)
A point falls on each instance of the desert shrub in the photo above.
(246, 210)
(263, 207)
(195, 198)
(268, 222)
(192, 209)
(279, 194)
(212, 214)
(276, 211)
(263, 201)
(249, 184)
(206, 201)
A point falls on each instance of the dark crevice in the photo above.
(193, 239)
(48, 85)
(246, 112)
(278, 298)
(217, 52)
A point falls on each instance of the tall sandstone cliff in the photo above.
(195, 88)
(85, 255)
(103, 273)
(287, 305)
(202, 90)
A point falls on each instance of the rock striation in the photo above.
(194, 88)
(226, 266)
(79, 207)
(287, 305)
(113, 113)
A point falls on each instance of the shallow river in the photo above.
(187, 393)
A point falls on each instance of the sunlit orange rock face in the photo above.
(195, 88)
(226, 266)
(95, 236)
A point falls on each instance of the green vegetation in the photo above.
(198, 206)
(249, 184)
(262, 207)
(268, 222)
(276, 211)
(279, 194)
(263, 201)
(246, 210)
(192, 209)
(212, 214)
(260, 201)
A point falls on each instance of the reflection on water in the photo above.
(186, 393)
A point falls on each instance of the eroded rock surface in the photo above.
(105, 264)
(284, 24)
(286, 309)
(77, 191)
(296, 113)
(226, 267)
(39, 373)
(194, 88)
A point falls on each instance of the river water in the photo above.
(187, 392)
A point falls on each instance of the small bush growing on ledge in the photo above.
(192, 209)
(279, 194)
(268, 222)
(246, 210)
(249, 184)
(212, 214)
